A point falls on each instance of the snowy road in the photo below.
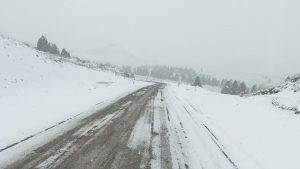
(98, 141)
(150, 128)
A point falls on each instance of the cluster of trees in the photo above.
(190, 76)
(236, 87)
(208, 80)
(45, 46)
(187, 75)
(166, 72)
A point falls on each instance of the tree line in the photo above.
(166, 72)
(45, 46)
(236, 87)
(190, 76)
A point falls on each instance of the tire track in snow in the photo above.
(178, 140)
(222, 151)
(200, 124)
(244, 152)
(213, 138)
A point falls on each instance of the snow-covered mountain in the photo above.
(39, 90)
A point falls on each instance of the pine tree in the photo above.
(242, 87)
(42, 44)
(65, 53)
(227, 87)
(254, 89)
(197, 82)
(223, 82)
(53, 49)
(235, 88)
(45, 46)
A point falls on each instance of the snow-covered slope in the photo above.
(37, 90)
(253, 131)
(291, 84)
(285, 96)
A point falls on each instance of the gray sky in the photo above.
(233, 38)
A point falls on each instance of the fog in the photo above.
(235, 39)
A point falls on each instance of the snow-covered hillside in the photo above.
(254, 132)
(37, 90)
(285, 96)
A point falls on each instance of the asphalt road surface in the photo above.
(106, 139)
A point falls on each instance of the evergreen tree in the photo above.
(45, 46)
(227, 87)
(53, 49)
(235, 88)
(223, 82)
(65, 53)
(242, 87)
(42, 44)
(197, 82)
(254, 89)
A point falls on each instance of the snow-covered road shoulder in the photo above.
(240, 132)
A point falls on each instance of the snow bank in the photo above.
(37, 92)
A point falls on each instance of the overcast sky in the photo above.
(232, 38)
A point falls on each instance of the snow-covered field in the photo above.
(37, 92)
(225, 131)
(212, 88)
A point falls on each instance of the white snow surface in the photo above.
(250, 130)
(37, 92)
(212, 88)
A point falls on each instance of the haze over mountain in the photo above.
(235, 39)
